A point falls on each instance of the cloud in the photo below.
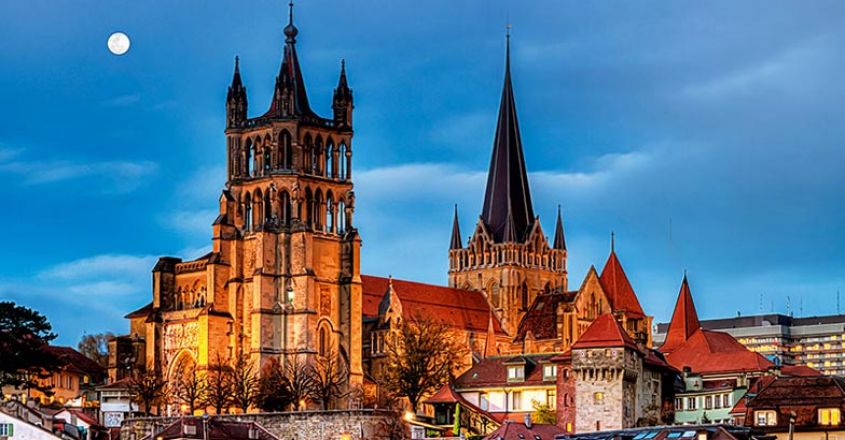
(98, 266)
(192, 222)
(119, 176)
(122, 100)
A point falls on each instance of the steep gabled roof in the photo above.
(711, 352)
(463, 309)
(456, 242)
(493, 372)
(618, 289)
(507, 209)
(559, 242)
(605, 331)
(684, 320)
(541, 317)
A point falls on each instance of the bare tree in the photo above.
(190, 387)
(299, 381)
(422, 354)
(219, 388)
(273, 388)
(147, 389)
(96, 347)
(243, 382)
(328, 375)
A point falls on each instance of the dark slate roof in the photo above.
(507, 209)
(78, 362)
(456, 242)
(801, 395)
(541, 317)
(290, 78)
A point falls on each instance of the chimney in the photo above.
(527, 419)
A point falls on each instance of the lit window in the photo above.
(483, 401)
(829, 416)
(551, 398)
(516, 401)
(765, 418)
(598, 397)
(516, 373)
(549, 372)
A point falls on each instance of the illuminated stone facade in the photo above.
(282, 277)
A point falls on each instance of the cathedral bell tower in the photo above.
(286, 223)
(508, 256)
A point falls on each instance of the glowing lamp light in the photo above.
(409, 416)
(346, 436)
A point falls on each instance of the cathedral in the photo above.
(283, 275)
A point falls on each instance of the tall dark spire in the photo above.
(507, 181)
(290, 97)
(236, 102)
(560, 241)
(342, 101)
(456, 242)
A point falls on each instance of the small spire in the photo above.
(560, 240)
(612, 242)
(456, 242)
(510, 229)
(290, 30)
(342, 85)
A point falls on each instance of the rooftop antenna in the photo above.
(788, 306)
(761, 302)
(801, 306)
(837, 302)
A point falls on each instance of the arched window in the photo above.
(286, 152)
(268, 161)
(268, 207)
(323, 345)
(524, 296)
(247, 156)
(341, 217)
(247, 212)
(330, 171)
(309, 207)
(257, 208)
(306, 155)
(341, 161)
(318, 156)
(318, 210)
(329, 213)
(284, 202)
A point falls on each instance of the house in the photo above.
(526, 430)
(812, 405)
(116, 403)
(17, 428)
(692, 432)
(72, 384)
(86, 425)
(717, 369)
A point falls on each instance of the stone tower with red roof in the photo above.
(508, 256)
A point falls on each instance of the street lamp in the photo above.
(205, 425)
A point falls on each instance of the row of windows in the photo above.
(517, 373)
(259, 158)
(328, 216)
(516, 401)
(824, 417)
(717, 401)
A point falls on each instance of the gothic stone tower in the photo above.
(283, 277)
(508, 256)
(285, 222)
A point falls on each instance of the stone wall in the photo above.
(306, 425)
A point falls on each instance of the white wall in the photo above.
(25, 431)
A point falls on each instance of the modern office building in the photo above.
(815, 341)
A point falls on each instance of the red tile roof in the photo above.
(463, 309)
(801, 395)
(710, 352)
(77, 361)
(684, 320)
(493, 371)
(618, 289)
(518, 431)
(605, 331)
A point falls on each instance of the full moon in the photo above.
(118, 43)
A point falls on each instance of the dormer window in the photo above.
(516, 373)
(765, 418)
(549, 372)
(829, 416)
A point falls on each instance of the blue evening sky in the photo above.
(708, 135)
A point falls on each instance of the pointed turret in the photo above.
(559, 241)
(342, 102)
(619, 291)
(456, 242)
(236, 103)
(684, 320)
(507, 181)
(290, 97)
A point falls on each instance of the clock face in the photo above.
(118, 43)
